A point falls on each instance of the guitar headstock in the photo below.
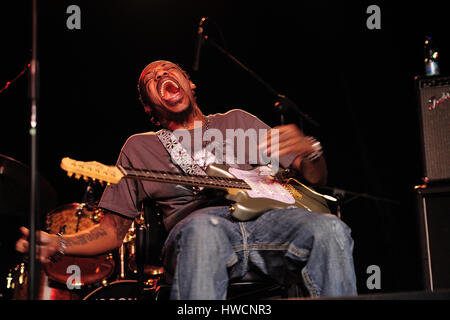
(92, 169)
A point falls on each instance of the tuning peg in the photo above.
(69, 174)
(77, 176)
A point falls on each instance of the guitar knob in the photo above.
(232, 208)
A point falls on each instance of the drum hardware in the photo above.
(126, 290)
(72, 218)
(127, 251)
(97, 215)
(151, 283)
(9, 281)
(89, 196)
(100, 272)
(15, 190)
(140, 219)
(17, 282)
(79, 214)
(17, 286)
(117, 290)
(20, 270)
(22, 273)
(153, 270)
(122, 274)
(62, 230)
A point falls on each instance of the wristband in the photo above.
(62, 244)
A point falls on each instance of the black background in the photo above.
(357, 83)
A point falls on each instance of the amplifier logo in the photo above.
(434, 102)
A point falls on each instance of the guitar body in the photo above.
(266, 193)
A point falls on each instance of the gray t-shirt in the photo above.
(145, 151)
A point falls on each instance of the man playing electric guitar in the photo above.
(206, 245)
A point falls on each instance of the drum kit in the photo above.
(113, 275)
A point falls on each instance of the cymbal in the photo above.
(15, 182)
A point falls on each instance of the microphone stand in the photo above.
(34, 88)
(283, 104)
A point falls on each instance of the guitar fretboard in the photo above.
(186, 179)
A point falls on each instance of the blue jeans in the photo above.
(208, 248)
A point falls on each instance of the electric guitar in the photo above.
(253, 192)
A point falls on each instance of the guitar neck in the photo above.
(185, 179)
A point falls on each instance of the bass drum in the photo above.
(72, 218)
(117, 290)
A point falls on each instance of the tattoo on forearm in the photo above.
(120, 225)
(110, 221)
(92, 235)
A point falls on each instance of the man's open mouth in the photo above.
(170, 90)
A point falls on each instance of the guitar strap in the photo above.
(184, 160)
(178, 153)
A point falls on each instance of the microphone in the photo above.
(199, 44)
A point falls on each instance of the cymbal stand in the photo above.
(140, 257)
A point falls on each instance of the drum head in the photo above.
(117, 290)
(69, 219)
(91, 269)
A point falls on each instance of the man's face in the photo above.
(169, 90)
